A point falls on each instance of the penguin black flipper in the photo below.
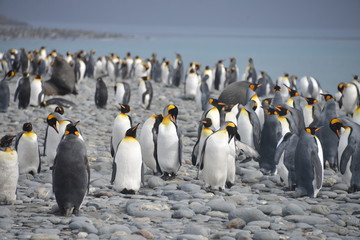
(345, 157)
(39, 167)
(45, 139)
(201, 163)
(155, 131)
(254, 120)
(18, 89)
(17, 138)
(282, 146)
(113, 174)
(316, 162)
(180, 146)
(195, 152)
(127, 93)
(88, 171)
(111, 148)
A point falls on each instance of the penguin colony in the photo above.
(292, 127)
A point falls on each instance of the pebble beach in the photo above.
(256, 207)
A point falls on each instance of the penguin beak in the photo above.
(338, 133)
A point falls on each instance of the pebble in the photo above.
(247, 214)
(266, 235)
(292, 209)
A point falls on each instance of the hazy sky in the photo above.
(233, 13)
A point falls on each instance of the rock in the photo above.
(272, 210)
(243, 235)
(237, 223)
(183, 213)
(247, 214)
(155, 181)
(190, 237)
(307, 219)
(320, 209)
(4, 212)
(266, 235)
(221, 205)
(113, 228)
(83, 226)
(42, 236)
(189, 187)
(144, 233)
(82, 235)
(292, 209)
(197, 230)
(48, 231)
(262, 224)
(147, 209)
(176, 195)
(6, 223)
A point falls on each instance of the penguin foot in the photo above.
(125, 191)
(229, 184)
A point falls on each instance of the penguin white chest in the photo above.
(343, 142)
(245, 129)
(321, 173)
(128, 165)
(147, 144)
(28, 153)
(192, 82)
(216, 154)
(119, 95)
(121, 125)
(168, 148)
(308, 115)
(9, 176)
(36, 89)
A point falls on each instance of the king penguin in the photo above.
(71, 172)
(145, 92)
(148, 139)
(214, 155)
(220, 76)
(9, 170)
(121, 124)
(5, 91)
(191, 82)
(126, 175)
(202, 93)
(169, 145)
(37, 91)
(309, 168)
(22, 91)
(27, 147)
(350, 98)
(101, 93)
(205, 132)
(215, 113)
(348, 151)
(122, 93)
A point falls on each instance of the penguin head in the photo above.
(10, 74)
(341, 86)
(192, 70)
(281, 110)
(59, 110)
(207, 122)
(356, 77)
(254, 86)
(27, 127)
(311, 101)
(173, 111)
(277, 88)
(26, 74)
(312, 130)
(6, 141)
(266, 101)
(286, 75)
(216, 103)
(38, 77)
(270, 110)
(327, 96)
(335, 125)
(292, 92)
(250, 60)
(72, 129)
(145, 78)
(207, 68)
(51, 121)
(131, 132)
(231, 129)
(232, 59)
(124, 108)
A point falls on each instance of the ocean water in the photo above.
(328, 55)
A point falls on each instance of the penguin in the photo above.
(311, 112)
(309, 87)
(27, 147)
(235, 93)
(214, 155)
(248, 124)
(148, 139)
(220, 75)
(327, 137)
(62, 102)
(90, 65)
(214, 113)
(278, 97)
(166, 73)
(71, 172)
(24, 61)
(266, 85)
(348, 151)
(350, 98)
(145, 92)
(126, 175)
(9, 170)
(235, 68)
(283, 82)
(101, 93)
(23, 91)
(55, 129)
(356, 115)
(169, 145)
(205, 132)
(309, 168)
(156, 71)
(259, 110)
(121, 124)
(202, 93)
(231, 76)
(209, 73)
(122, 93)
(37, 91)
(79, 69)
(178, 67)
(129, 63)
(284, 159)
(191, 82)
(250, 72)
(5, 91)
(171, 110)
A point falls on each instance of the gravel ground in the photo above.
(256, 207)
